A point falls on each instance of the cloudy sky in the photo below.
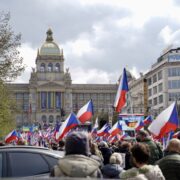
(99, 37)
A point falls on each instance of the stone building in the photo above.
(50, 92)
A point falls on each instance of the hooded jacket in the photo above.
(112, 171)
(77, 166)
(149, 171)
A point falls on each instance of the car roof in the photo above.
(31, 149)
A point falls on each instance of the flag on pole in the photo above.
(148, 120)
(175, 135)
(120, 99)
(117, 128)
(140, 126)
(165, 122)
(68, 124)
(12, 136)
(86, 112)
(104, 130)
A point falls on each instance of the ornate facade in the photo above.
(50, 91)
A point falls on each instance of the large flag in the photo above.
(121, 92)
(12, 136)
(86, 112)
(117, 128)
(104, 130)
(148, 120)
(68, 124)
(165, 122)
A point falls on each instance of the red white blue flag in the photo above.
(140, 126)
(117, 128)
(104, 130)
(68, 124)
(12, 136)
(165, 122)
(148, 120)
(86, 112)
(121, 92)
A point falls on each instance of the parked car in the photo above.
(24, 161)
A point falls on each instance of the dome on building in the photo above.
(130, 77)
(49, 48)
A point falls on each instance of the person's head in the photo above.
(103, 144)
(174, 146)
(126, 145)
(77, 143)
(141, 135)
(61, 144)
(116, 158)
(140, 154)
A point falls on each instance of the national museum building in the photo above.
(50, 92)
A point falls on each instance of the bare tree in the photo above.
(11, 64)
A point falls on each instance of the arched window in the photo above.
(42, 67)
(44, 119)
(50, 67)
(57, 67)
(51, 119)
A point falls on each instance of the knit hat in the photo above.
(77, 143)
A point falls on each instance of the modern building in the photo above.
(50, 93)
(163, 81)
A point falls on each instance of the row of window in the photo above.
(50, 67)
(174, 84)
(155, 78)
(22, 96)
(174, 96)
(50, 118)
(155, 90)
(174, 71)
(156, 100)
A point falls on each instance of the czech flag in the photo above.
(125, 135)
(86, 112)
(121, 92)
(165, 122)
(175, 135)
(104, 130)
(115, 129)
(148, 120)
(140, 126)
(68, 124)
(12, 136)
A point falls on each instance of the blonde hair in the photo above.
(174, 145)
(116, 158)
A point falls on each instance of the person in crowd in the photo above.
(125, 149)
(113, 169)
(155, 149)
(61, 145)
(170, 164)
(96, 153)
(76, 162)
(106, 151)
(140, 156)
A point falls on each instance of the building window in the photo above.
(150, 102)
(160, 99)
(149, 81)
(57, 67)
(174, 84)
(42, 67)
(51, 118)
(160, 87)
(154, 78)
(159, 75)
(174, 72)
(174, 96)
(43, 118)
(149, 92)
(155, 101)
(50, 67)
(155, 90)
(19, 95)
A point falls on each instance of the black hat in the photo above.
(77, 143)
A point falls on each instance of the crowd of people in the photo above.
(140, 160)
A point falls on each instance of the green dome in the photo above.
(49, 48)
